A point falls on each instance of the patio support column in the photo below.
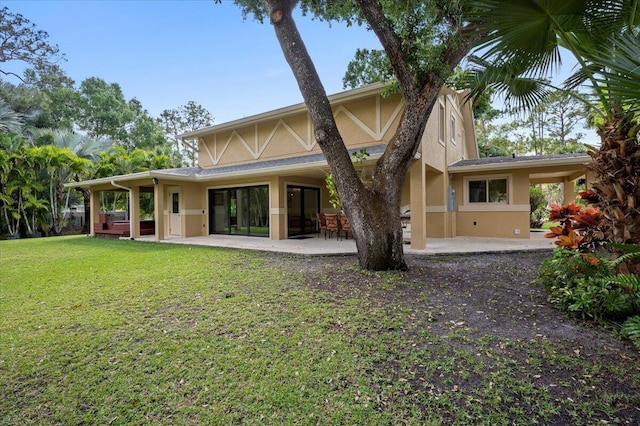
(94, 206)
(417, 184)
(277, 209)
(134, 214)
(158, 210)
(568, 191)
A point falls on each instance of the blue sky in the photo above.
(166, 53)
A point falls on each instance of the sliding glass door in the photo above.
(302, 205)
(242, 211)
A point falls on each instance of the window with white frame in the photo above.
(493, 190)
(441, 121)
(452, 130)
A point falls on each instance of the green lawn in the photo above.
(98, 331)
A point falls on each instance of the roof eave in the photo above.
(574, 161)
(203, 178)
(108, 180)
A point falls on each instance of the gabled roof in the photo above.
(289, 110)
(517, 162)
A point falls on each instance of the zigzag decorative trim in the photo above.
(256, 151)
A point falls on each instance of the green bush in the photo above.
(537, 206)
(590, 288)
(566, 275)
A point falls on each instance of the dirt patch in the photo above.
(493, 293)
(488, 306)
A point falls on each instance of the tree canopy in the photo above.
(21, 41)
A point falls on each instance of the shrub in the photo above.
(588, 275)
(537, 206)
(568, 274)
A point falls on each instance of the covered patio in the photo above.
(319, 246)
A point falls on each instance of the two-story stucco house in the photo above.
(264, 175)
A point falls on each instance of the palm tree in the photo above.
(10, 121)
(526, 38)
(85, 148)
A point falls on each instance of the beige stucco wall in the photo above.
(431, 219)
(438, 219)
(362, 122)
(457, 144)
(498, 220)
(193, 209)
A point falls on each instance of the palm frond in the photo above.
(525, 39)
(627, 281)
(518, 90)
(10, 121)
(621, 70)
(631, 329)
(580, 76)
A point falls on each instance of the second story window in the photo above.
(441, 122)
(452, 130)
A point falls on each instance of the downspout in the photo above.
(130, 206)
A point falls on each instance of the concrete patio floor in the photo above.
(312, 245)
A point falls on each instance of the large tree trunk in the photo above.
(378, 232)
(373, 209)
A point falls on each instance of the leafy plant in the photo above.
(588, 275)
(581, 228)
(359, 157)
(631, 329)
(334, 198)
(568, 274)
(538, 204)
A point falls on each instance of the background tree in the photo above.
(549, 127)
(21, 41)
(60, 109)
(10, 121)
(84, 148)
(10, 144)
(103, 110)
(143, 132)
(27, 102)
(496, 140)
(183, 119)
(367, 67)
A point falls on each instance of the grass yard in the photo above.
(99, 331)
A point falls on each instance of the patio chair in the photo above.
(322, 224)
(344, 226)
(333, 225)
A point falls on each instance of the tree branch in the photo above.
(314, 95)
(392, 44)
(13, 74)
